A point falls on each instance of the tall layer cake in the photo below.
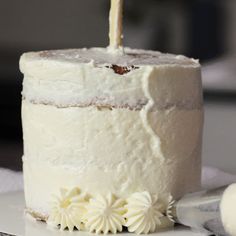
(109, 139)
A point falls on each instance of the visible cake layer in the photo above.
(82, 77)
(101, 151)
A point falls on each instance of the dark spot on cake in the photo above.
(121, 70)
(45, 54)
(100, 108)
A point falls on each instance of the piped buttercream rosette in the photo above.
(68, 210)
(169, 209)
(105, 214)
(142, 212)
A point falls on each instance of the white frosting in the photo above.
(80, 77)
(105, 214)
(67, 210)
(143, 213)
(155, 143)
(150, 140)
(228, 209)
(73, 147)
(101, 57)
(169, 209)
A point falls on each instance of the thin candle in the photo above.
(115, 21)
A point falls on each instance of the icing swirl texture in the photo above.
(143, 213)
(105, 214)
(67, 210)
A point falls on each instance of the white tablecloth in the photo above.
(211, 178)
(10, 181)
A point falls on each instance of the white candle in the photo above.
(115, 20)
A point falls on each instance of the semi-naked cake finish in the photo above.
(124, 129)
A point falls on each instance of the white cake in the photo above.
(117, 135)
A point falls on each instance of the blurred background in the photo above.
(204, 29)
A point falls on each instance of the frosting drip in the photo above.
(155, 143)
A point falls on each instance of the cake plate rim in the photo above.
(13, 221)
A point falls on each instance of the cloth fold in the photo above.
(211, 178)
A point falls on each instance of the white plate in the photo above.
(13, 221)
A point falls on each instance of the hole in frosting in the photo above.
(121, 70)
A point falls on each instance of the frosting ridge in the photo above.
(144, 212)
(105, 214)
(67, 210)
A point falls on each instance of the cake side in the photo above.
(66, 139)
(124, 162)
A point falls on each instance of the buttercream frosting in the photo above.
(105, 214)
(143, 213)
(68, 210)
(102, 56)
(61, 148)
(111, 123)
(82, 77)
(171, 203)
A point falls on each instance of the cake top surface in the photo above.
(102, 56)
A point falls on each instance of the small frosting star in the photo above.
(68, 210)
(144, 213)
(105, 214)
